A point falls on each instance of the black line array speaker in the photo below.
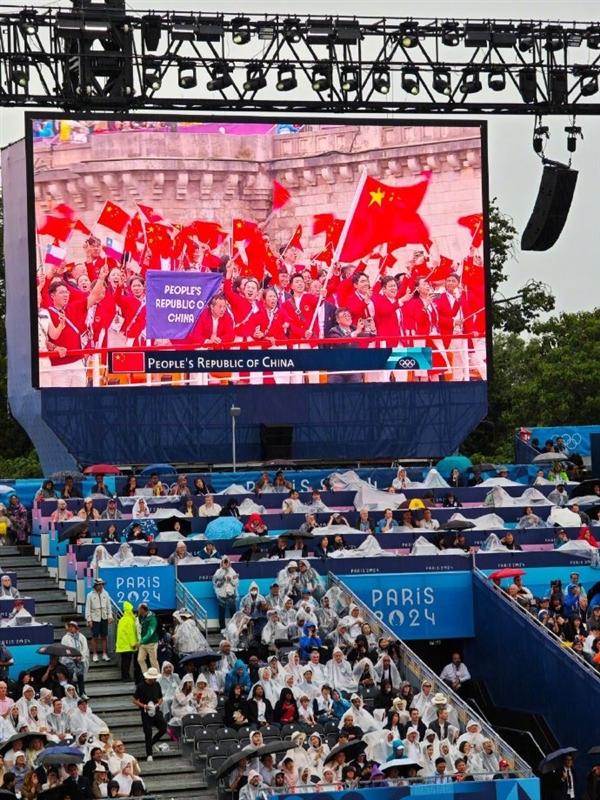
(551, 207)
(276, 441)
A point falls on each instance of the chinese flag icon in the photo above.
(128, 362)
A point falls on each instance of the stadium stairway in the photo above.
(171, 776)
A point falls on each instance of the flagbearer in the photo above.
(95, 259)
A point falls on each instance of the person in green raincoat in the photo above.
(127, 642)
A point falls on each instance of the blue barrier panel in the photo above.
(508, 789)
(152, 585)
(23, 642)
(576, 437)
(419, 605)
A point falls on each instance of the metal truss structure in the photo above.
(98, 55)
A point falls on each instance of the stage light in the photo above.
(347, 32)
(540, 135)
(525, 36)
(442, 81)
(152, 77)
(504, 36)
(528, 84)
(255, 78)
(151, 31)
(187, 75)
(292, 31)
(321, 76)
(589, 81)
(557, 86)
(409, 34)
(470, 82)
(350, 80)
(209, 29)
(28, 23)
(286, 78)
(593, 37)
(240, 30)
(19, 72)
(555, 38)
(450, 34)
(410, 80)
(220, 75)
(183, 29)
(573, 133)
(477, 34)
(266, 30)
(319, 31)
(73, 26)
(497, 79)
(381, 80)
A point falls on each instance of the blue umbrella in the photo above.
(555, 759)
(158, 469)
(446, 465)
(223, 528)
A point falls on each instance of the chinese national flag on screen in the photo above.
(384, 213)
(113, 217)
(128, 362)
(296, 240)
(474, 223)
(280, 196)
(59, 228)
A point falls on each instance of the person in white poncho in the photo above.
(82, 720)
(339, 672)
(188, 637)
(362, 718)
(273, 631)
(385, 669)
(206, 700)
(353, 621)
(169, 683)
(183, 700)
(412, 748)
(423, 702)
(473, 735)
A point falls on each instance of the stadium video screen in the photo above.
(222, 252)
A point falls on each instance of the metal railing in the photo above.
(185, 599)
(527, 734)
(419, 671)
(532, 620)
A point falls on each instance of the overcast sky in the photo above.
(570, 266)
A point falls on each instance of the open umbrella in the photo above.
(549, 458)
(351, 749)
(555, 759)
(248, 541)
(26, 738)
(399, 763)
(508, 572)
(78, 530)
(585, 487)
(168, 524)
(273, 747)
(57, 649)
(446, 465)
(236, 757)
(60, 755)
(458, 525)
(61, 475)
(223, 528)
(201, 657)
(158, 469)
(594, 750)
(299, 534)
(102, 469)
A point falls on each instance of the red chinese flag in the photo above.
(326, 255)
(134, 238)
(296, 240)
(271, 262)
(443, 269)
(474, 223)
(385, 214)
(58, 228)
(149, 213)
(280, 195)
(81, 227)
(250, 249)
(128, 362)
(330, 226)
(209, 233)
(65, 211)
(113, 217)
(159, 240)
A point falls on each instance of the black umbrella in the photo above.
(274, 747)
(49, 758)
(555, 759)
(297, 535)
(585, 487)
(168, 524)
(594, 750)
(458, 525)
(63, 474)
(76, 531)
(351, 749)
(26, 738)
(57, 649)
(235, 759)
(201, 657)
(248, 541)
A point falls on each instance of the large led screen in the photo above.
(257, 252)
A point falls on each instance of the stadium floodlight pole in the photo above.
(234, 412)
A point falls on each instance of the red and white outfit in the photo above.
(133, 310)
(450, 314)
(70, 369)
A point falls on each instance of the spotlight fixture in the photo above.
(151, 31)
(477, 34)
(209, 29)
(409, 34)
(183, 29)
(19, 72)
(381, 80)
(28, 23)
(573, 132)
(555, 38)
(286, 78)
(350, 79)
(588, 80)
(593, 37)
(220, 76)
(470, 82)
(528, 84)
(442, 81)
(497, 79)
(541, 134)
(319, 31)
(450, 34)
(73, 26)
(525, 36)
(347, 32)
(557, 86)
(410, 80)
(266, 30)
(292, 31)
(321, 76)
(255, 78)
(187, 75)
(240, 30)
(152, 76)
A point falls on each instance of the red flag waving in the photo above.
(383, 213)
(280, 195)
(58, 228)
(209, 233)
(330, 226)
(249, 248)
(474, 223)
(149, 213)
(159, 243)
(113, 217)
(443, 270)
(134, 238)
(296, 240)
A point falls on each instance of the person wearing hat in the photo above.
(148, 698)
(111, 511)
(78, 665)
(98, 615)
